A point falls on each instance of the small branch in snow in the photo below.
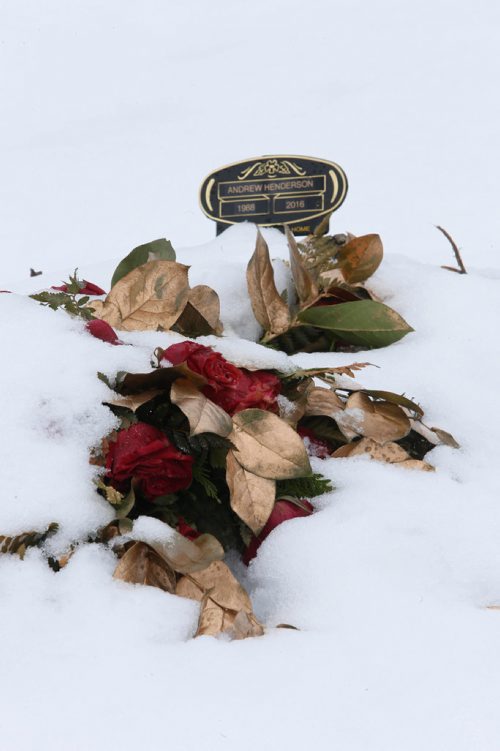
(461, 268)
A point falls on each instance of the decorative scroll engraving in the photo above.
(271, 168)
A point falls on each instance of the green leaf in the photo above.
(304, 487)
(157, 250)
(302, 339)
(364, 322)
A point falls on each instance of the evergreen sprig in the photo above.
(304, 487)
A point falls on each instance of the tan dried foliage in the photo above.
(252, 497)
(381, 421)
(201, 316)
(321, 401)
(360, 258)
(445, 438)
(203, 415)
(267, 446)
(417, 464)
(270, 310)
(225, 606)
(306, 287)
(389, 452)
(151, 297)
(142, 565)
(186, 556)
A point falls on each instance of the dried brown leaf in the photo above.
(445, 438)
(268, 446)
(381, 421)
(307, 291)
(417, 464)
(183, 555)
(321, 401)
(325, 402)
(201, 316)
(203, 415)
(142, 565)
(388, 452)
(360, 258)
(225, 606)
(270, 310)
(151, 297)
(252, 497)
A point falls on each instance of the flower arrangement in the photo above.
(208, 457)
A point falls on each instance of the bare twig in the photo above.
(461, 268)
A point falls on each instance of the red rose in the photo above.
(145, 453)
(102, 330)
(186, 530)
(315, 446)
(87, 289)
(229, 387)
(283, 511)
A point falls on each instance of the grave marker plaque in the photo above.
(274, 190)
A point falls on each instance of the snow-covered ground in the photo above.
(112, 113)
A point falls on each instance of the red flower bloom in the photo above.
(87, 289)
(283, 511)
(186, 530)
(315, 446)
(102, 330)
(145, 453)
(230, 387)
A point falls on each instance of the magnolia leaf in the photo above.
(322, 228)
(252, 497)
(417, 464)
(203, 415)
(389, 452)
(268, 446)
(270, 310)
(201, 316)
(445, 438)
(183, 555)
(365, 322)
(225, 606)
(322, 401)
(399, 399)
(157, 379)
(327, 429)
(157, 250)
(151, 297)
(133, 402)
(142, 565)
(360, 258)
(381, 421)
(303, 339)
(304, 283)
(325, 402)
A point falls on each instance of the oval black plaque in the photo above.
(274, 190)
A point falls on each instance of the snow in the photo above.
(112, 115)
